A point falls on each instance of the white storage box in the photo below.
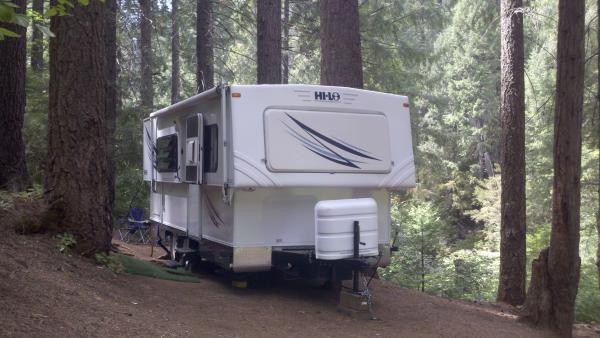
(334, 228)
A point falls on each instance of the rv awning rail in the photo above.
(214, 92)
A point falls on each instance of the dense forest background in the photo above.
(444, 55)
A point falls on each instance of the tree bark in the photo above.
(77, 170)
(553, 303)
(286, 43)
(268, 41)
(513, 271)
(37, 39)
(13, 169)
(174, 53)
(204, 45)
(110, 110)
(341, 58)
(598, 126)
(147, 85)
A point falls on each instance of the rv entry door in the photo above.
(193, 149)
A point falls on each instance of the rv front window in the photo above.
(166, 153)
(211, 148)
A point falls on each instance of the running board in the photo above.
(185, 250)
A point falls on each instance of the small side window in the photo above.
(211, 148)
(166, 154)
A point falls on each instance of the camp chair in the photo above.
(135, 223)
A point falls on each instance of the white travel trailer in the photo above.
(253, 177)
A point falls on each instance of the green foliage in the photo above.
(35, 125)
(587, 307)
(66, 242)
(426, 261)
(8, 199)
(24, 211)
(487, 195)
(130, 189)
(112, 262)
(9, 14)
(420, 235)
(469, 274)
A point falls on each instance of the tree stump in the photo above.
(538, 306)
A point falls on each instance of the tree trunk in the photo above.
(147, 87)
(598, 126)
(37, 39)
(77, 170)
(286, 43)
(513, 271)
(174, 53)
(13, 170)
(341, 58)
(110, 110)
(555, 278)
(204, 45)
(268, 41)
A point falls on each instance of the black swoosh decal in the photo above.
(331, 141)
(347, 163)
(340, 160)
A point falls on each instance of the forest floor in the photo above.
(44, 293)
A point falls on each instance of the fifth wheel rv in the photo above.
(293, 177)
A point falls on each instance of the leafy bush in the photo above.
(26, 211)
(111, 262)
(587, 306)
(420, 241)
(468, 274)
(35, 126)
(66, 242)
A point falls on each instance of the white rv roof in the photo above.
(312, 87)
(216, 92)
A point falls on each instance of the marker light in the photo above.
(236, 94)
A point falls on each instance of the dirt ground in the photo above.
(44, 293)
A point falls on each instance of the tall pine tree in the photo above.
(511, 288)
(204, 45)
(13, 170)
(174, 52)
(268, 44)
(110, 111)
(341, 57)
(147, 87)
(285, 71)
(77, 170)
(598, 126)
(555, 273)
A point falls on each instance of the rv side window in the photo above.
(166, 153)
(211, 148)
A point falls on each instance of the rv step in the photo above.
(185, 250)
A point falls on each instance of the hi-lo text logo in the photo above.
(327, 96)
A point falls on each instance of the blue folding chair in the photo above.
(135, 224)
